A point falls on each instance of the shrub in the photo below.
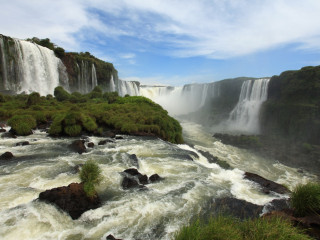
(59, 52)
(56, 126)
(61, 94)
(33, 98)
(306, 198)
(22, 124)
(111, 97)
(2, 98)
(90, 175)
(73, 130)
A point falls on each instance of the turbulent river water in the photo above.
(129, 214)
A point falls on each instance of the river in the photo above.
(129, 214)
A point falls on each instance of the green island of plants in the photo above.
(92, 113)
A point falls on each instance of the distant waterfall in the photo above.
(245, 116)
(181, 100)
(128, 87)
(94, 77)
(28, 67)
(112, 87)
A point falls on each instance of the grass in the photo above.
(90, 176)
(22, 124)
(305, 199)
(229, 228)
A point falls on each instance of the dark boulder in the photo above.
(267, 185)
(119, 137)
(129, 183)
(8, 135)
(71, 199)
(238, 208)
(104, 142)
(132, 179)
(213, 159)
(277, 205)
(90, 144)
(78, 146)
(155, 178)
(2, 130)
(111, 237)
(6, 156)
(24, 143)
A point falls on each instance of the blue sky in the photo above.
(176, 42)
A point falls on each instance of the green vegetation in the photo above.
(305, 199)
(22, 124)
(93, 113)
(229, 228)
(90, 176)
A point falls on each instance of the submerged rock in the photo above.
(111, 237)
(104, 142)
(78, 146)
(134, 179)
(71, 199)
(267, 185)
(24, 143)
(6, 156)
(213, 159)
(90, 144)
(134, 160)
(8, 135)
(155, 178)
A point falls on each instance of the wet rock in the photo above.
(78, 146)
(111, 237)
(132, 179)
(277, 205)
(8, 135)
(90, 144)
(2, 130)
(213, 159)
(6, 156)
(71, 199)
(134, 160)
(238, 208)
(155, 178)
(129, 183)
(24, 143)
(104, 142)
(267, 185)
(119, 137)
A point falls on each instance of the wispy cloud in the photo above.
(210, 28)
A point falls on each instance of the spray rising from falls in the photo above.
(28, 67)
(181, 100)
(245, 116)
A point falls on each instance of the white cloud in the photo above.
(211, 28)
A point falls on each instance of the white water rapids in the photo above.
(129, 214)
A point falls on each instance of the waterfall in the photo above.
(28, 67)
(94, 77)
(128, 87)
(245, 116)
(112, 87)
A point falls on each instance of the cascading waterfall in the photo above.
(245, 116)
(28, 67)
(128, 87)
(112, 86)
(94, 77)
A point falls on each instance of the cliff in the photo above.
(293, 106)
